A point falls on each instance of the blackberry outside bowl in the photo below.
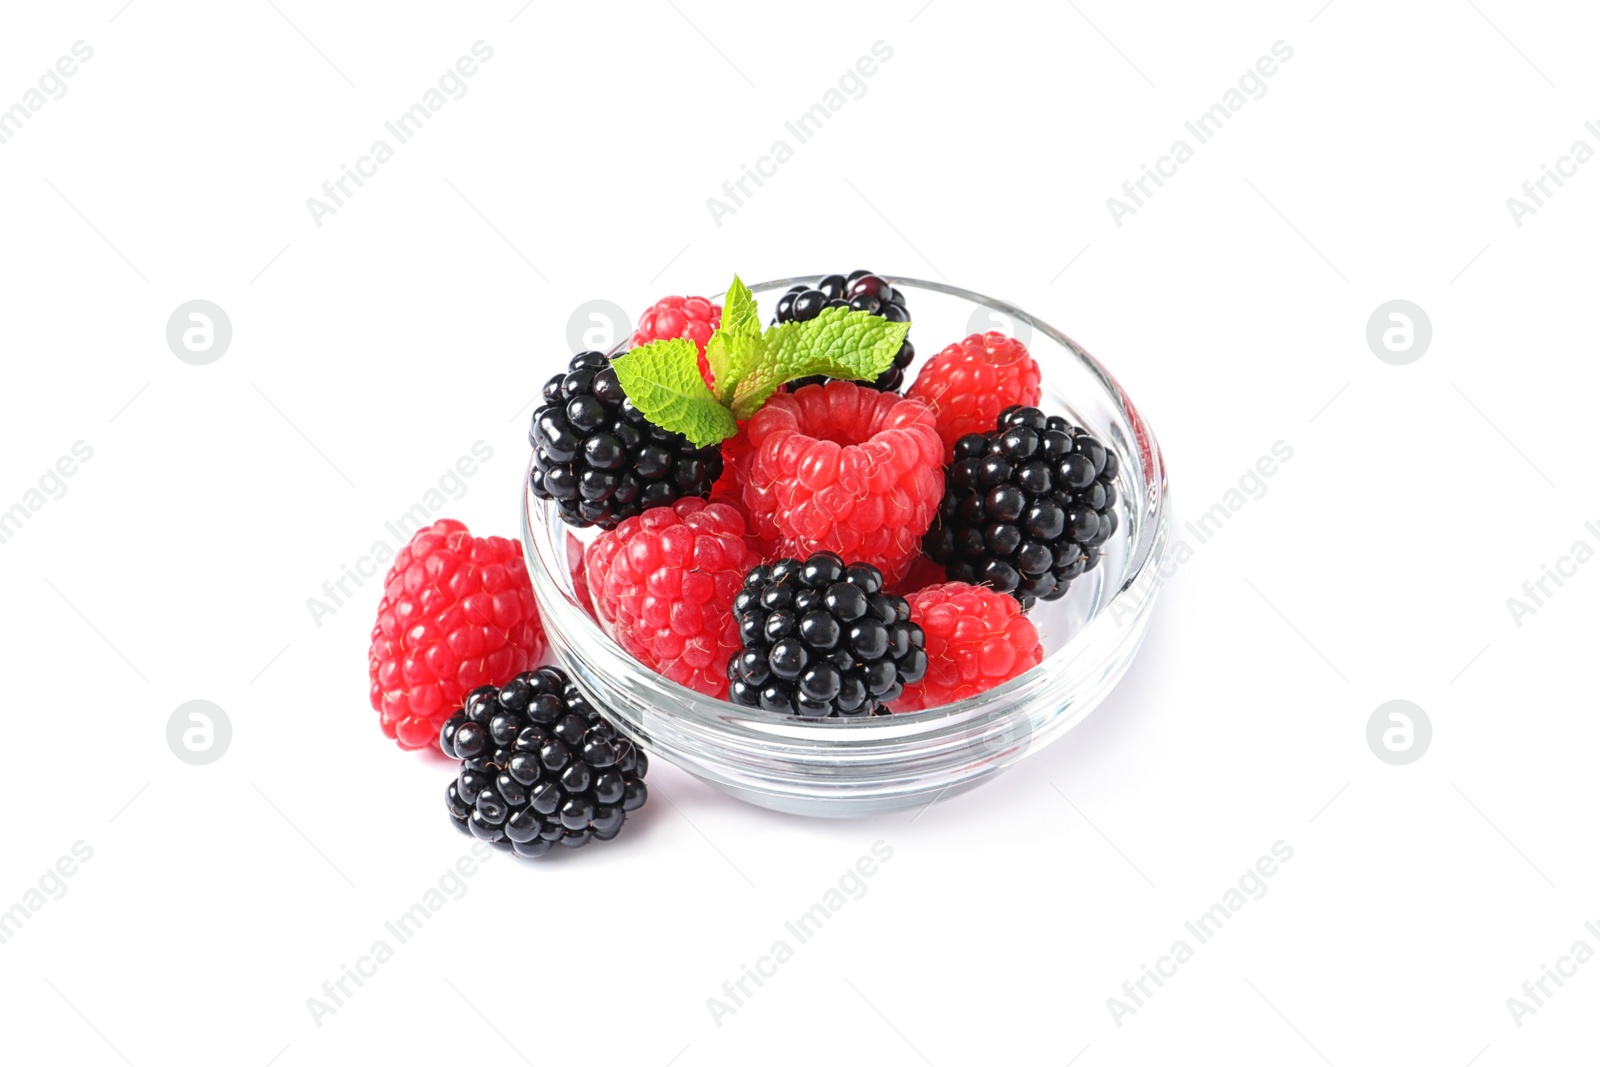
(850, 767)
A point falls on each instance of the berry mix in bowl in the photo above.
(808, 568)
(790, 559)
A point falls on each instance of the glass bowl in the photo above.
(850, 767)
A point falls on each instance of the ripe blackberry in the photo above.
(597, 456)
(1026, 506)
(860, 291)
(539, 767)
(821, 638)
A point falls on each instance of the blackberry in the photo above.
(1026, 506)
(539, 766)
(597, 456)
(821, 638)
(860, 291)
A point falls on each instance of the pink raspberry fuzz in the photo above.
(665, 582)
(845, 468)
(976, 639)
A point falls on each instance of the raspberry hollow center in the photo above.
(848, 469)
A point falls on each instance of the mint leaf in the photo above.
(731, 356)
(663, 380)
(739, 312)
(736, 346)
(839, 343)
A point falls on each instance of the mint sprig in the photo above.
(750, 364)
(838, 343)
(736, 346)
(663, 380)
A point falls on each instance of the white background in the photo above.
(370, 353)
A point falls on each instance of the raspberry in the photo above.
(693, 317)
(976, 639)
(600, 459)
(861, 291)
(822, 639)
(457, 612)
(761, 519)
(665, 582)
(1027, 506)
(540, 767)
(845, 468)
(972, 381)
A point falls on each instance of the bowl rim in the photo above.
(711, 715)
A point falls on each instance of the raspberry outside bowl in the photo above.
(851, 767)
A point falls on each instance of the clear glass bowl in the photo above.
(849, 767)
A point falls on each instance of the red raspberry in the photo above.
(972, 381)
(457, 612)
(665, 581)
(845, 468)
(976, 639)
(693, 317)
(737, 455)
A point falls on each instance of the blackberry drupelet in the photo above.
(540, 767)
(1026, 507)
(860, 291)
(600, 459)
(822, 638)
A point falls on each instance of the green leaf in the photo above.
(839, 343)
(663, 380)
(739, 312)
(736, 346)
